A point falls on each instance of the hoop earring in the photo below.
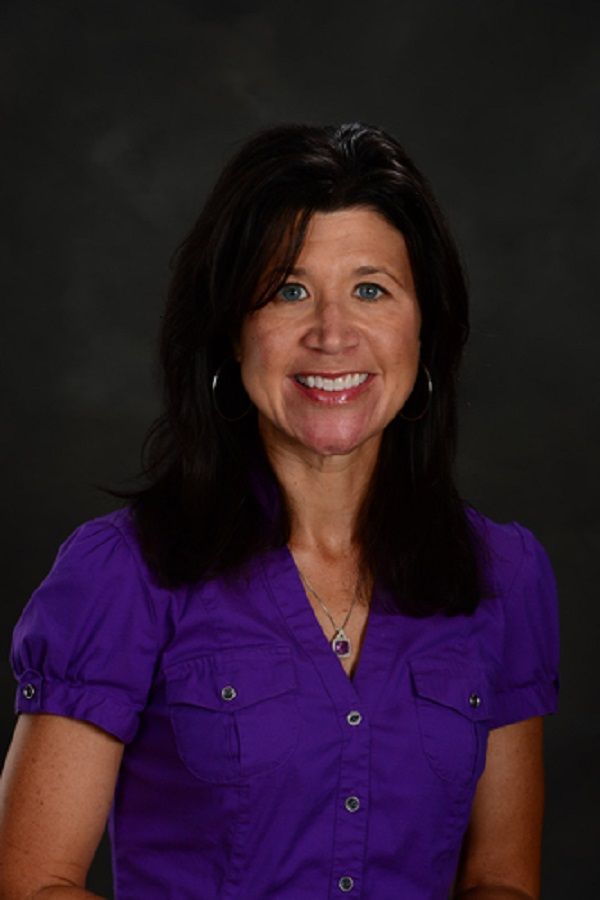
(429, 393)
(214, 385)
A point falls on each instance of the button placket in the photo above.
(351, 830)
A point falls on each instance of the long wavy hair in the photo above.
(195, 509)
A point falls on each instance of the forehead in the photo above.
(357, 236)
(358, 240)
(352, 230)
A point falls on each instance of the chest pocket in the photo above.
(234, 713)
(453, 704)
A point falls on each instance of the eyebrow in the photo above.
(361, 270)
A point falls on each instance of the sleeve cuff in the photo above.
(516, 704)
(98, 706)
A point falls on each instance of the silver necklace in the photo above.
(340, 642)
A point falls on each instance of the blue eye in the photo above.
(290, 292)
(370, 286)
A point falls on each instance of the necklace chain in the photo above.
(340, 642)
(308, 585)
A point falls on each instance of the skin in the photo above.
(60, 774)
(333, 320)
(501, 853)
(55, 794)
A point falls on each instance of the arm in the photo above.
(55, 796)
(501, 853)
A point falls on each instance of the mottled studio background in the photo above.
(116, 118)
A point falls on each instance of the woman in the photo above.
(295, 664)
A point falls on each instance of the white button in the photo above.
(28, 691)
(354, 717)
(352, 804)
(346, 883)
(228, 692)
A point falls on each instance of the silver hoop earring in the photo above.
(427, 404)
(214, 386)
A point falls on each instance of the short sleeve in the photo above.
(528, 681)
(85, 645)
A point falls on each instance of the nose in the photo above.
(331, 329)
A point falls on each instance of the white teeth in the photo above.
(343, 383)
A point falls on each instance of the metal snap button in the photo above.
(228, 692)
(354, 717)
(346, 883)
(352, 804)
(475, 700)
(28, 691)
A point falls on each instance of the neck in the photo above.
(324, 494)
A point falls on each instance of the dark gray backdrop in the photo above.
(117, 116)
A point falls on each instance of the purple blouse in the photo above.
(254, 767)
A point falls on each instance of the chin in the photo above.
(328, 444)
(333, 449)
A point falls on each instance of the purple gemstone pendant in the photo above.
(341, 643)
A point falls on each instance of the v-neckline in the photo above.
(285, 585)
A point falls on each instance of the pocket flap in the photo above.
(465, 689)
(254, 674)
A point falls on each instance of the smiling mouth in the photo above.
(339, 383)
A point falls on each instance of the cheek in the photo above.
(402, 342)
(260, 360)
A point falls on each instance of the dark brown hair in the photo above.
(196, 513)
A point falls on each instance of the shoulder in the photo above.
(117, 524)
(98, 576)
(510, 551)
(108, 542)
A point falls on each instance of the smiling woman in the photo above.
(330, 367)
(296, 663)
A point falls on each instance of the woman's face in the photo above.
(333, 357)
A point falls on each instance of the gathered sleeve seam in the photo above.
(100, 705)
(147, 594)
